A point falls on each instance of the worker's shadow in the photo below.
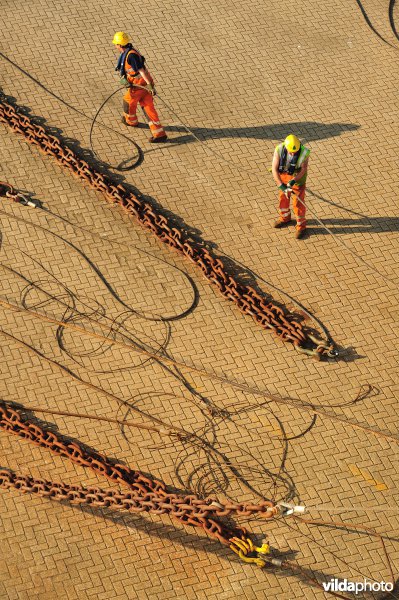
(362, 225)
(243, 275)
(359, 223)
(308, 131)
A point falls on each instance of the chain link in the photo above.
(144, 495)
(285, 326)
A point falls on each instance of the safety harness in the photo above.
(121, 66)
(290, 168)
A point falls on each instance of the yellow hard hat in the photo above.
(120, 38)
(292, 143)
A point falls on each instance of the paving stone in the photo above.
(241, 76)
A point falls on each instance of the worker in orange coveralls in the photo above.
(132, 69)
(289, 169)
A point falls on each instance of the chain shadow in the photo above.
(212, 469)
(51, 427)
(169, 532)
(191, 234)
(217, 459)
(184, 538)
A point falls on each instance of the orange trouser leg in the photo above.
(284, 200)
(284, 207)
(298, 204)
(147, 102)
(298, 198)
(130, 100)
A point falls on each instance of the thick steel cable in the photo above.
(165, 428)
(373, 29)
(391, 18)
(94, 234)
(173, 429)
(362, 260)
(227, 161)
(369, 530)
(63, 413)
(309, 537)
(117, 168)
(248, 170)
(235, 384)
(81, 113)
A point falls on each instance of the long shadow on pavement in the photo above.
(308, 131)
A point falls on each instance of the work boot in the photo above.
(299, 234)
(281, 223)
(128, 124)
(157, 140)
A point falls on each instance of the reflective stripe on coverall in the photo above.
(298, 194)
(136, 96)
(299, 208)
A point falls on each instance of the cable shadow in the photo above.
(83, 153)
(341, 226)
(213, 473)
(373, 29)
(75, 309)
(392, 19)
(349, 354)
(124, 165)
(346, 527)
(72, 313)
(190, 234)
(336, 204)
(184, 538)
(193, 305)
(205, 466)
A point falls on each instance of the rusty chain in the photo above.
(268, 315)
(145, 494)
(114, 499)
(148, 495)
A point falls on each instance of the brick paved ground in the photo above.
(242, 76)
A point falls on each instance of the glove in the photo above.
(152, 90)
(124, 81)
(291, 183)
(282, 187)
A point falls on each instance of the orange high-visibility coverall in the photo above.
(136, 96)
(299, 208)
(298, 193)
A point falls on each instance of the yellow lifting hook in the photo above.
(243, 547)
